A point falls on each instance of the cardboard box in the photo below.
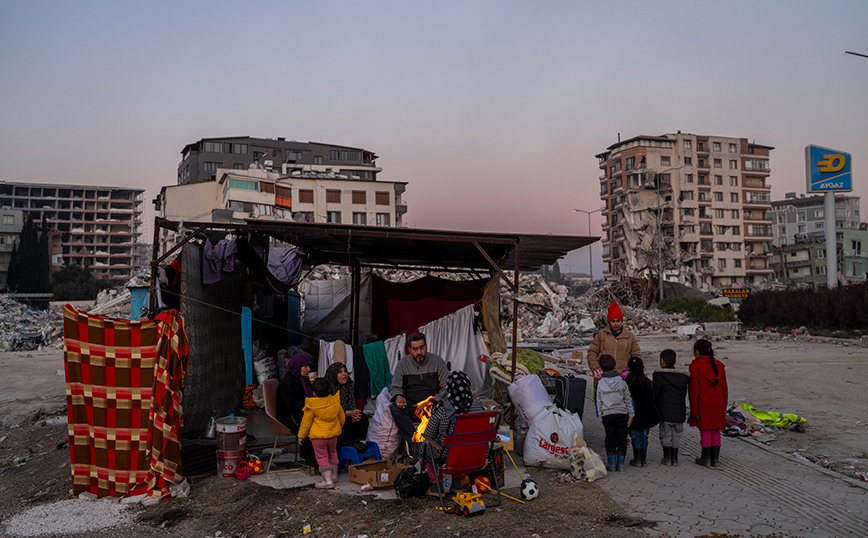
(507, 440)
(380, 473)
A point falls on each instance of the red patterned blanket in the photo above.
(124, 393)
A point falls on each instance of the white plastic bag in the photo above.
(550, 437)
(382, 429)
(529, 396)
(592, 467)
(264, 367)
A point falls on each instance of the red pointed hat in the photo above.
(614, 312)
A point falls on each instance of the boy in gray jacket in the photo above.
(616, 409)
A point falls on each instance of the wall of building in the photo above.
(11, 223)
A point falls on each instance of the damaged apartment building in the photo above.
(706, 196)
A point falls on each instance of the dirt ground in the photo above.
(823, 382)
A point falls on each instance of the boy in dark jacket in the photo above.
(670, 393)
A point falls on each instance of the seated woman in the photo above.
(291, 393)
(356, 426)
(459, 399)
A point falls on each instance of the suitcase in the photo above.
(570, 394)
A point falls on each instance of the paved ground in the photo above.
(758, 491)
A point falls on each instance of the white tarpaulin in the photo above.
(328, 308)
(453, 337)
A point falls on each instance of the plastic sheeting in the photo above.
(328, 308)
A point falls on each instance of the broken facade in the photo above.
(705, 196)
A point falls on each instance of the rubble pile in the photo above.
(547, 310)
(26, 329)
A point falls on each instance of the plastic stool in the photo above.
(350, 453)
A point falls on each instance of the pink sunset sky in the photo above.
(492, 111)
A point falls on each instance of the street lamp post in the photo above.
(660, 228)
(590, 254)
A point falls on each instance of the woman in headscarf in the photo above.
(356, 426)
(291, 393)
(460, 399)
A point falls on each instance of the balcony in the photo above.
(707, 253)
(795, 264)
(759, 231)
(753, 183)
(706, 270)
(756, 165)
(400, 208)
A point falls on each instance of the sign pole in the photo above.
(831, 240)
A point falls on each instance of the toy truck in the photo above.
(468, 503)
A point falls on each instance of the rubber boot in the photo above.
(619, 463)
(610, 462)
(327, 482)
(637, 457)
(643, 456)
(673, 456)
(715, 456)
(667, 456)
(705, 458)
(335, 472)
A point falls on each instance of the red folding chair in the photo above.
(469, 447)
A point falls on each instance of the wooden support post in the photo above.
(154, 276)
(514, 325)
(356, 300)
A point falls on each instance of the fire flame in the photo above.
(423, 412)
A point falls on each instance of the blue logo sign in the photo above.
(828, 170)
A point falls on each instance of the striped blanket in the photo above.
(124, 392)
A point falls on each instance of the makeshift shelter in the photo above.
(482, 255)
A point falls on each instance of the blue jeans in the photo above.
(639, 438)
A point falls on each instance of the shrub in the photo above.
(844, 308)
(698, 310)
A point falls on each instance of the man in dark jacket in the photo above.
(417, 376)
(670, 394)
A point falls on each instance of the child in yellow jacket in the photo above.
(322, 422)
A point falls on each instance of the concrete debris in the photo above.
(25, 329)
(70, 516)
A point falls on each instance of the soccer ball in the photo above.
(529, 489)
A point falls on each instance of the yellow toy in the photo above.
(469, 503)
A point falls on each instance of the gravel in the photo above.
(68, 517)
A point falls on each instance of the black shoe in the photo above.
(667, 456)
(715, 456)
(673, 456)
(637, 459)
(705, 458)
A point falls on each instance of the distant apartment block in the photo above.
(291, 194)
(804, 262)
(799, 219)
(200, 160)
(91, 226)
(713, 210)
(11, 222)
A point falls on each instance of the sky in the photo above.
(491, 111)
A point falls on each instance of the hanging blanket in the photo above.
(378, 366)
(124, 392)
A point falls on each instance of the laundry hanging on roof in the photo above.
(286, 264)
(217, 259)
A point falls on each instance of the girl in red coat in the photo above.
(708, 397)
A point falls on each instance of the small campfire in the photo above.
(423, 412)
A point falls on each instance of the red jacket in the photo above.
(707, 403)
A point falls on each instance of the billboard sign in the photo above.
(828, 170)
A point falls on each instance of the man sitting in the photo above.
(417, 376)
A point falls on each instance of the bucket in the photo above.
(231, 444)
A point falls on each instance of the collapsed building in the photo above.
(706, 197)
